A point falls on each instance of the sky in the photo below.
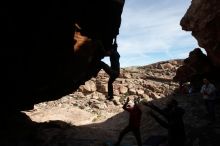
(150, 32)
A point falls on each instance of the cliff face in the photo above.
(203, 19)
(38, 58)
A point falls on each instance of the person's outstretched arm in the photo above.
(160, 121)
(157, 109)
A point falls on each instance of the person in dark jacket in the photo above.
(96, 65)
(114, 70)
(174, 123)
(134, 121)
(208, 92)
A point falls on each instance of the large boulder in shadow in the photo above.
(38, 59)
(203, 20)
(196, 67)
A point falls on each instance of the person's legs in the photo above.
(112, 78)
(177, 143)
(206, 105)
(211, 109)
(110, 87)
(164, 143)
(137, 135)
(122, 134)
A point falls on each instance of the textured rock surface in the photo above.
(196, 67)
(38, 61)
(203, 19)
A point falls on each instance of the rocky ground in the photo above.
(149, 82)
(86, 118)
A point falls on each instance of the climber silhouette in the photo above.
(114, 70)
(174, 122)
(96, 64)
(134, 121)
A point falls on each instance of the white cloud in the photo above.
(150, 27)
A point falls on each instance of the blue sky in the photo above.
(150, 32)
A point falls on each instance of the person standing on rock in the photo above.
(114, 70)
(208, 93)
(134, 121)
(96, 65)
(174, 122)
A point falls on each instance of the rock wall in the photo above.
(38, 61)
(203, 20)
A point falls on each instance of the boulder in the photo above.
(127, 75)
(166, 66)
(123, 89)
(102, 87)
(132, 91)
(140, 92)
(38, 60)
(89, 86)
(203, 20)
(196, 67)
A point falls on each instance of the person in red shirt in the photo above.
(134, 121)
